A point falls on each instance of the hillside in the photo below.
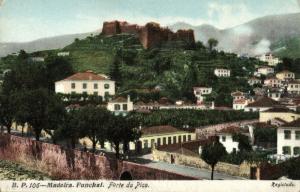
(254, 37)
(173, 69)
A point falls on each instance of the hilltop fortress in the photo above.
(151, 35)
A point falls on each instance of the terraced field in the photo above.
(13, 171)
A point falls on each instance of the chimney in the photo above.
(128, 98)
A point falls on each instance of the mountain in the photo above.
(56, 42)
(254, 37)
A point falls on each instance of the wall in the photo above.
(267, 116)
(62, 163)
(281, 142)
(206, 131)
(242, 170)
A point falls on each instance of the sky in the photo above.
(27, 20)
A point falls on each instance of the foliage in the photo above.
(212, 43)
(191, 117)
(265, 134)
(122, 130)
(292, 168)
(244, 143)
(212, 153)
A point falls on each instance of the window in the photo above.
(164, 141)
(73, 86)
(145, 144)
(158, 142)
(189, 137)
(95, 85)
(84, 85)
(169, 140)
(174, 139)
(106, 86)
(179, 139)
(95, 92)
(286, 150)
(223, 138)
(184, 138)
(296, 150)
(287, 134)
(152, 142)
(297, 135)
(117, 107)
(124, 107)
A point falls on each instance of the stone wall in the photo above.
(62, 163)
(151, 35)
(242, 170)
(210, 130)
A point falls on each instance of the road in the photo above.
(184, 170)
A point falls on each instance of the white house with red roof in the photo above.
(120, 105)
(200, 93)
(270, 59)
(86, 82)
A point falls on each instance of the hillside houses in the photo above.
(201, 92)
(120, 105)
(272, 82)
(254, 81)
(293, 87)
(285, 75)
(264, 70)
(269, 58)
(262, 104)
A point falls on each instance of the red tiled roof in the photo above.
(230, 130)
(237, 93)
(119, 100)
(239, 101)
(88, 75)
(159, 130)
(264, 102)
(279, 109)
(295, 123)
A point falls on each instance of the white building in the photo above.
(294, 87)
(262, 104)
(222, 72)
(265, 70)
(120, 105)
(253, 81)
(63, 54)
(270, 59)
(86, 82)
(273, 82)
(285, 75)
(37, 59)
(288, 140)
(240, 104)
(200, 93)
(226, 137)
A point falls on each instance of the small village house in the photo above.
(200, 93)
(285, 75)
(278, 113)
(270, 59)
(265, 70)
(120, 105)
(288, 140)
(272, 82)
(261, 104)
(293, 87)
(220, 72)
(254, 81)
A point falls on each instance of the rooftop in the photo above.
(160, 130)
(119, 100)
(295, 123)
(232, 130)
(88, 75)
(264, 102)
(279, 110)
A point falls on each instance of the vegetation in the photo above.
(13, 171)
(193, 118)
(212, 153)
(292, 168)
(265, 134)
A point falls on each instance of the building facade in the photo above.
(200, 93)
(265, 70)
(86, 83)
(293, 87)
(288, 140)
(120, 106)
(285, 75)
(222, 72)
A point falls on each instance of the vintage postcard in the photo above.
(149, 95)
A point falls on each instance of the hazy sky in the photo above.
(26, 20)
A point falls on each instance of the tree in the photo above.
(244, 143)
(6, 112)
(70, 129)
(121, 130)
(93, 123)
(114, 68)
(212, 153)
(292, 168)
(57, 68)
(212, 43)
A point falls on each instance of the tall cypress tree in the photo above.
(114, 69)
